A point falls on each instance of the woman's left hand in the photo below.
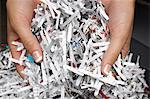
(121, 14)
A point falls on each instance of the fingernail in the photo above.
(107, 69)
(37, 57)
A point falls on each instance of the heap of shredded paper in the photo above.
(73, 35)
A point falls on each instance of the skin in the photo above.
(20, 13)
(121, 13)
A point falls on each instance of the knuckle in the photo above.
(29, 43)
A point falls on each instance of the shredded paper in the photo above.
(73, 35)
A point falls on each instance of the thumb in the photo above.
(28, 39)
(112, 53)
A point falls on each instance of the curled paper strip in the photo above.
(73, 35)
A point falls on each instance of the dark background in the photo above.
(140, 44)
(3, 19)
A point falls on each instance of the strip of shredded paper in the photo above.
(73, 35)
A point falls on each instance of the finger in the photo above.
(125, 50)
(30, 42)
(20, 20)
(12, 37)
(126, 46)
(111, 54)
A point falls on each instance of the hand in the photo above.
(121, 13)
(20, 13)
